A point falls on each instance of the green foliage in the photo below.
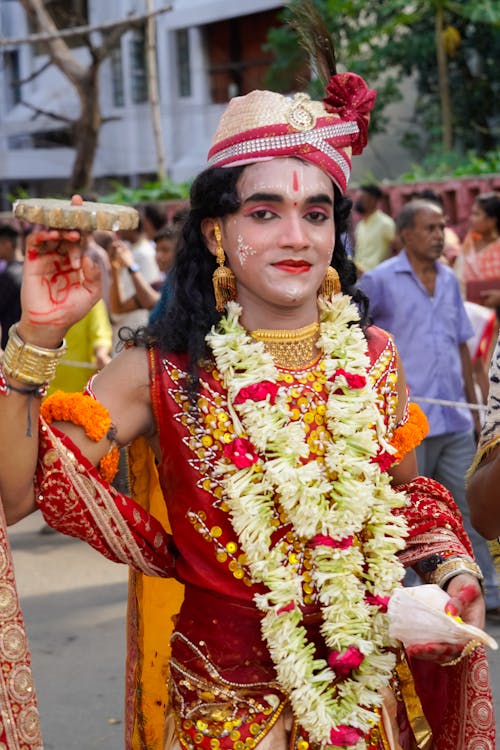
(352, 33)
(150, 192)
(390, 40)
(438, 166)
(19, 193)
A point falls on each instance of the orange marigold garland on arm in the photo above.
(410, 434)
(88, 413)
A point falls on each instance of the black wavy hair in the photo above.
(191, 312)
(490, 204)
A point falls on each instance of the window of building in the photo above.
(117, 88)
(138, 70)
(12, 74)
(42, 139)
(183, 62)
(237, 61)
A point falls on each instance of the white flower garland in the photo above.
(349, 497)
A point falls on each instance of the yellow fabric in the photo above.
(482, 452)
(419, 724)
(92, 331)
(153, 602)
(374, 236)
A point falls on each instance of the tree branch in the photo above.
(59, 51)
(35, 74)
(47, 36)
(47, 113)
(111, 40)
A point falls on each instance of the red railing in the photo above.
(457, 193)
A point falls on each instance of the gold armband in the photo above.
(452, 567)
(28, 363)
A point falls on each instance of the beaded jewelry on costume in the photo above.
(290, 349)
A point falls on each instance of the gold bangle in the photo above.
(452, 567)
(467, 650)
(28, 363)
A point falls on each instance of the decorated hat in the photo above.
(264, 125)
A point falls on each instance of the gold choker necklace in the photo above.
(290, 349)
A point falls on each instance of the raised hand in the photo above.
(121, 255)
(60, 285)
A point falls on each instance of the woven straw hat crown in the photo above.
(263, 125)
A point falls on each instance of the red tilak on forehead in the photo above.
(295, 181)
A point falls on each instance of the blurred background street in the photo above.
(74, 604)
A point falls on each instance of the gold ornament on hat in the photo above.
(301, 115)
(331, 284)
(223, 278)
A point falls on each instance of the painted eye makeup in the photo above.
(318, 216)
(262, 214)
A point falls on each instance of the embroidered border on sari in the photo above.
(76, 501)
(19, 718)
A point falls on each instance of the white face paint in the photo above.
(279, 242)
(292, 189)
(244, 250)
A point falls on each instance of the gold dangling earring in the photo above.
(331, 283)
(223, 278)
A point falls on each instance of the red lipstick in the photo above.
(293, 266)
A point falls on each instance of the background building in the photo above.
(207, 51)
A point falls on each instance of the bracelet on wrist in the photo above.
(133, 268)
(31, 391)
(428, 565)
(30, 364)
(452, 567)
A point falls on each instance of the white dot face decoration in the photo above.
(244, 250)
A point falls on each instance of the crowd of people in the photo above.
(133, 268)
(277, 469)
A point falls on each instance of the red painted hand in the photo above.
(467, 602)
(60, 285)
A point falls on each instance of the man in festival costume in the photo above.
(284, 444)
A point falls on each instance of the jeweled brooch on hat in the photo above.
(300, 116)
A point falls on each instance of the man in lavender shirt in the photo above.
(417, 299)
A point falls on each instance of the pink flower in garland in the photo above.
(353, 380)
(320, 540)
(384, 459)
(378, 601)
(286, 608)
(241, 452)
(343, 662)
(344, 736)
(258, 392)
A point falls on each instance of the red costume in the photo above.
(223, 688)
